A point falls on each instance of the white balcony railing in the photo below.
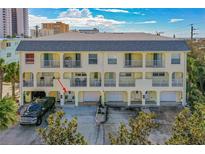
(50, 63)
(160, 82)
(95, 82)
(28, 83)
(133, 63)
(78, 82)
(44, 83)
(109, 82)
(177, 82)
(127, 82)
(155, 63)
(72, 63)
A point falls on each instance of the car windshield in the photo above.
(34, 107)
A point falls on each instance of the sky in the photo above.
(149, 20)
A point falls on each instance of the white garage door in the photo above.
(168, 96)
(91, 96)
(115, 96)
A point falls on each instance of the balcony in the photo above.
(78, 82)
(177, 82)
(50, 63)
(133, 63)
(110, 83)
(155, 63)
(72, 63)
(160, 82)
(127, 82)
(28, 83)
(95, 83)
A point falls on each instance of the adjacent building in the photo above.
(50, 29)
(8, 50)
(13, 22)
(125, 69)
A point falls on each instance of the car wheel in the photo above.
(39, 121)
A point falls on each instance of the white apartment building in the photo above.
(125, 69)
(13, 21)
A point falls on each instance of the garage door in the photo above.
(168, 96)
(91, 96)
(115, 96)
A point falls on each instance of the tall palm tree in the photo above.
(12, 75)
(2, 70)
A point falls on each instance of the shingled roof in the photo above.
(102, 45)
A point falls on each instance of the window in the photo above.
(29, 58)
(175, 58)
(93, 59)
(8, 54)
(125, 74)
(112, 59)
(158, 74)
(8, 44)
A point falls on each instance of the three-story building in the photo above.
(128, 69)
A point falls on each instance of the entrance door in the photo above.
(168, 97)
(115, 96)
(91, 96)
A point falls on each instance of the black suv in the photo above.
(35, 111)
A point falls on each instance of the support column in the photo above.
(143, 98)
(88, 79)
(62, 98)
(102, 97)
(128, 98)
(61, 60)
(143, 60)
(34, 79)
(117, 78)
(158, 98)
(76, 98)
(170, 79)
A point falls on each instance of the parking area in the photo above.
(95, 134)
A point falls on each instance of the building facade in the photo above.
(13, 21)
(120, 71)
(8, 50)
(5, 22)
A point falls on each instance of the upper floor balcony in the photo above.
(28, 79)
(110, 79)
(72, 60)
(46, 79)
(78, 79)
(177, 79)
(133, 60)
(50, 60)
(155, 60)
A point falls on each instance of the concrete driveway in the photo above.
(95, 134)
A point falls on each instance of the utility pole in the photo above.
(37, 27)
(193, 31)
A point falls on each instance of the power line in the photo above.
(193, 33)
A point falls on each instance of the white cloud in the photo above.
(77, 19)
(174, 20)
(113, 10)
(76, 13)
(147, 22)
